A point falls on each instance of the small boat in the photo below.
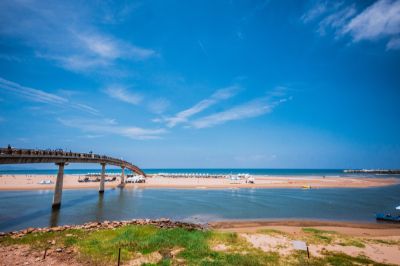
(388, 217)
(306, 187)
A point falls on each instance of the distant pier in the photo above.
(374, 171)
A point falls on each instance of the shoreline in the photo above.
(30, 182)
(236, 225)
(255, 224)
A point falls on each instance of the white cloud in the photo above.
(122, 94)
(66, 32)
(111, 48)
(393, 44)
(85, 108)
(336, 20)
(381, 20)
(247, 110)
(219, 95)
(41, 96)
(158, 106)
(76, 62)
(30, 93)
(105, 127)
(314, 12)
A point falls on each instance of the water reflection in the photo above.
(99, 211)
(55, 215)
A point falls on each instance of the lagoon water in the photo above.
(21, 209)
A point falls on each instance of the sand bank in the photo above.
(379, 242)
(29, 182)
(295, 226)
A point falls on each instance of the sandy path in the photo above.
(27, 182)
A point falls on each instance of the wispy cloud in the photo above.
(316, 11)
(393, 44)
(250, 109)
(337, 20)
(67, 34)
(10, 58)
(41, 96)
(111, 127)
(111, 48)
(381, 20)
(158, 106)
(30, 93)
(202, 48)
(219, 95)
(123, 94)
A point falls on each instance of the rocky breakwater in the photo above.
(91, 226)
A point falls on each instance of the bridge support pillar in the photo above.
(102, 178)
(122, 175)
(59, 186)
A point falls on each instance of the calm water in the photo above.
(252, 171)
(21, 209)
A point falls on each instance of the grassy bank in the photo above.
(149, 245)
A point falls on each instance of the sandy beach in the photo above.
(379, 242)
(30, 182)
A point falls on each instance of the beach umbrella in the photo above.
(398, 208)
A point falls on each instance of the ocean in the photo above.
(252, 171)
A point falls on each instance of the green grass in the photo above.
(317, 236)
(352, 242)
(101, 247)
(270, 231)
(42, 241)
(385, 241)
(341, 259)
(192, 247)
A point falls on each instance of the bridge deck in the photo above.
(21, 156)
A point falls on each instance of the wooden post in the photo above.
(119, 256)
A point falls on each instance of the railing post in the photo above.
(102, 178)
(122, 175)
(59, 186)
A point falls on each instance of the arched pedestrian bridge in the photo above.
(61, 158)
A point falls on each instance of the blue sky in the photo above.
(267, 84)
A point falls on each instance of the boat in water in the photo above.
(388, 217)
